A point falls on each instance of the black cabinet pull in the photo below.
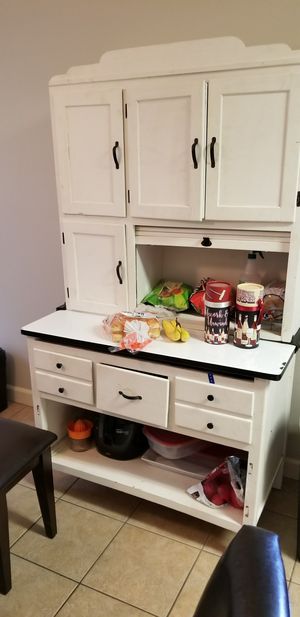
(114, 152)
(206, 242)
(58, 365)
(210, 425)
(212, 152)
(210, 397)
(118, 272)
(131, 398)
(195, 162)
(61, 390)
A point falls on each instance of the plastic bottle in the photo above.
(252, 272)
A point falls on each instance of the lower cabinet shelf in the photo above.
(138, 478)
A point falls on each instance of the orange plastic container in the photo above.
(79, 432)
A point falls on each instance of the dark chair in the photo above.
(249, 580)
(24, 448)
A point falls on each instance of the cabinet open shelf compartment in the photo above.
(136, 476)
(191, 264)
(142, 480)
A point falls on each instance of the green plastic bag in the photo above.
(172, 295)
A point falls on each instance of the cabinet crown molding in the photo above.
(187, 56)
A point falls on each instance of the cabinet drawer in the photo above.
(213, 396)
(213, 423)
(66, 388)
(114, 385)
(62, 364)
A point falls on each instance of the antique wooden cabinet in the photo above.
(174, 162)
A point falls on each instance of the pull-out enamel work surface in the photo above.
(267, 361)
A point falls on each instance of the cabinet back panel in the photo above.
(190, 265)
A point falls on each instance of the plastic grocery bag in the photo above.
(132, 331)
(223, 485)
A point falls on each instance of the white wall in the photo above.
(39, 39)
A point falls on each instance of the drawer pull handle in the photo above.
(210, 397)
(206, 242)
(131, 398)
(58, 365)
(61, 390)
(210, 425)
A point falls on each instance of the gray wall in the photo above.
(39, 39)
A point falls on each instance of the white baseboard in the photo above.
(19, 395)
(291, 468)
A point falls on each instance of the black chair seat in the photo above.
(24, 448)
(249, 579)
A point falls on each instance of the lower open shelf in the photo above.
(138, 478)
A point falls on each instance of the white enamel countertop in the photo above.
(269, 359)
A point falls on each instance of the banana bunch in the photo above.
(174, 330)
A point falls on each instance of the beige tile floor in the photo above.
(118, 556)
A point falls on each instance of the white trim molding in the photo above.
(19, 395)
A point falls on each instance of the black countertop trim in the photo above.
(159, 359)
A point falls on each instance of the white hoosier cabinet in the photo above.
(174, 162)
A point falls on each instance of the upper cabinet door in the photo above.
(166, 133)
(89, 151)
(252, 168)
(95, 266)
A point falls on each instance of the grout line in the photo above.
(39, 565)
(103, 551)
(186, 579)
(118, 600)
(164, 535)
(65, 601)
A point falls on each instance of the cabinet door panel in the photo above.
(165, 165)
(88, 123)
(95, 256)
(255, 123)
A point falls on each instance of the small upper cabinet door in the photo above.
(166, 131)
(95, 264)
(253, 154)
(89, 152)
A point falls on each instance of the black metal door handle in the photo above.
(212, 152)
(61, 390)
(210, 425)
(114, 152)
(195, 162)
(210, 397)
(118, 272)
(131, 398)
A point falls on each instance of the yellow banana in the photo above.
(174, 330)
(170, 329)
(184, 335)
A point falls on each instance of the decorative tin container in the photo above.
(248, 315)
(217, 305)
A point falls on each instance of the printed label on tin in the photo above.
(247, 329)
(216, 325)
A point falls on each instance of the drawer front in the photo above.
(64, 365)
(213, 396)
(213, 423)
(65, 388)
(114, 385)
